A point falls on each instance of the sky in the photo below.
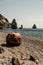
(26, 12)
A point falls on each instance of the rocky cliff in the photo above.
(4, 22)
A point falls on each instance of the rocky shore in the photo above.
(30, 52)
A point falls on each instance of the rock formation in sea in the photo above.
(34, 26)
(4, 23)
(21, 27)
(14, 24)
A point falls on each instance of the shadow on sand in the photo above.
(6, 45)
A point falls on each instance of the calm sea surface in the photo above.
(38, 33)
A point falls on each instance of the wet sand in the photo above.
(30, 52)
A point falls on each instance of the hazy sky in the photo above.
(26, 12)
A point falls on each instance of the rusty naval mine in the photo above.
(13, 39)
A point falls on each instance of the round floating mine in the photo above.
(13, 39)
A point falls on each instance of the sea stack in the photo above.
(21, 27)
(14, 24)
(34, 26)
(13, 39)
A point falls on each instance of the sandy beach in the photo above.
(30, 52)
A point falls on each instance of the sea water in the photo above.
(38, 33)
